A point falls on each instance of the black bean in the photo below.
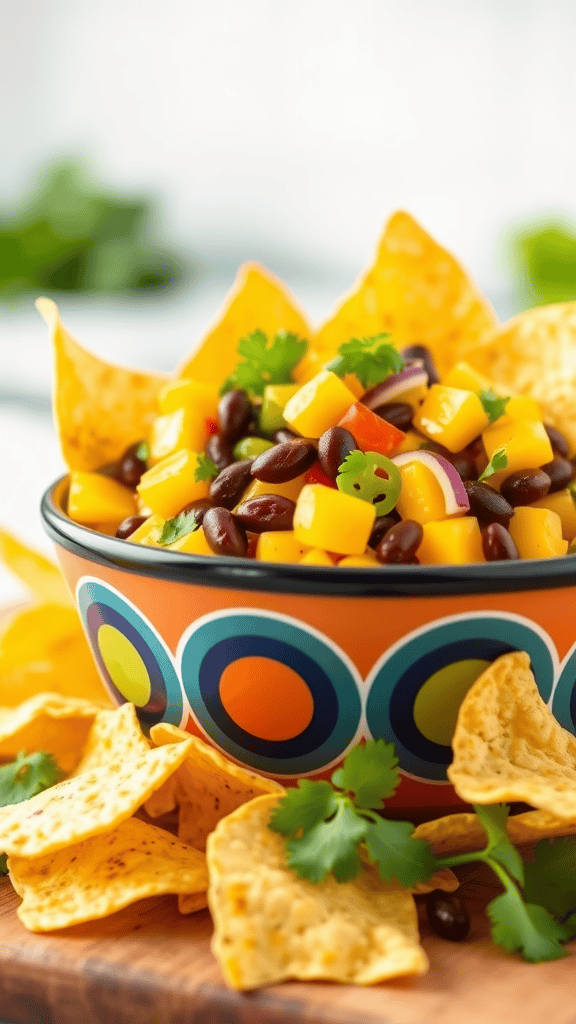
(525, 486)
(199, 508)
(487, 505)
(129, 525)
(497, 544)
(219, 451)
(400, 543)
(381, 525)
(235, 413)
(333, 447)
(423, 353)
(229, 485)
(282, 435)
(225, 535)
(399, 414)
(284, 461)
(130, 468)
(557, 440)
(463, 463)
(447, 915)
(560, 473)
(266, 512)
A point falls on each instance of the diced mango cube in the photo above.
(316, 557)
(280, 546)
(526, 442)
(318, 404)
(562, 503)
(94, 498)
(367, 560)
(537, 532)
(190, 394)
(182, 428)
(193, 543)
(149, 533)
(290, 489)
(412, 442)
(521, 407)
(329, 519)
(464, 376)
(421, 497)
(171, 484)
(451, 417)
(274, 399)
(310, 364)
(453, 542)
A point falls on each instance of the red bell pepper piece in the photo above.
(371, 432)
(211, 426)
(316, 475)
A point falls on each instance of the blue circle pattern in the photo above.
(389, 708)
(113, 608)
(337, 707)
(564, 701)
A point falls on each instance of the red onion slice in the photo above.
(455, 497)
(395, 385)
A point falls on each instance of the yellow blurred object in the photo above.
(412, 442)
(318, 405)
(526, 443)
(41, 576)
(194, 543)
(290, 489)
(182, 428)
(562, 503)
(465, 377)
(334, 521)
(171, 484)
(421, 497)
(316, 557)
(149, 532)
(368, 559)
(520, 407)
(280, 546)
(189, 394)
(94, 498)
(537, 532)
(451, 417)
(451, 542)
(310, 364)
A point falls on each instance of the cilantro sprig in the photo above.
(371, 360)
(494, 406)
(265, 362)
(177, 527)
(498, 461)
(206, 469)
(23, 778)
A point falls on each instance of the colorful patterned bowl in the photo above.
(285, 667)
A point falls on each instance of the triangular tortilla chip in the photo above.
(535, 354)
(42, 577)
(49, 722)
(101, 875)
(271, 925)
(99, 408)
(114, 736)
(508, 746)
(416, 291)
(463, 833)
(258, 300)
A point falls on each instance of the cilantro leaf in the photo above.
(569, 926)
(526, 927)
(205, 469)
(177, 527)
(265, 362)
(3, 864)
(493, 405)
(397, 855)
(371, 360)
(329, 846)
(370, 774)
(551, 876)
(28, 775)
(493, 820)
(302, 807)
(498, 461)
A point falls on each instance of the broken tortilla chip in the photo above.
(535, 354)
(38, 574)
(257, 301)
(49, 722)
(508, 746)
(96, 878)
(463, 833)
(208, 785)
(99, 408)
(271, 925)
(114, 736)
(416, 291)
(86, 805)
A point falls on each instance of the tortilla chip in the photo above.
(258, 300)
(43, 649)
(164, 800)
(416, 291)
(99, 408)
(101, 875)
(508, 746)
(86, 805)
(41, 576)
(271, 925)
(114, 736)
(535, 354)
(444, 879)
(463, 833)
(208, 785)
(49, 722)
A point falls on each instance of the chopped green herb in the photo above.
(498, 461)
(265, 362)
(494, 406)
(143, 451)
(358, 476)
(3, 864)
(177, 527)
(371, 360)
(206, 469)
(28, 775)
(551, 876)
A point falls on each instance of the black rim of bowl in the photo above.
(287, 578)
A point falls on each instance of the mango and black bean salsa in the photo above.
(411, 430)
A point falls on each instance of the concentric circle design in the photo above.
(270, 691)
(564, 699)
(416, 688)
(134, 662)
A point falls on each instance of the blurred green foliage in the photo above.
(72, 234)
(544, 255)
